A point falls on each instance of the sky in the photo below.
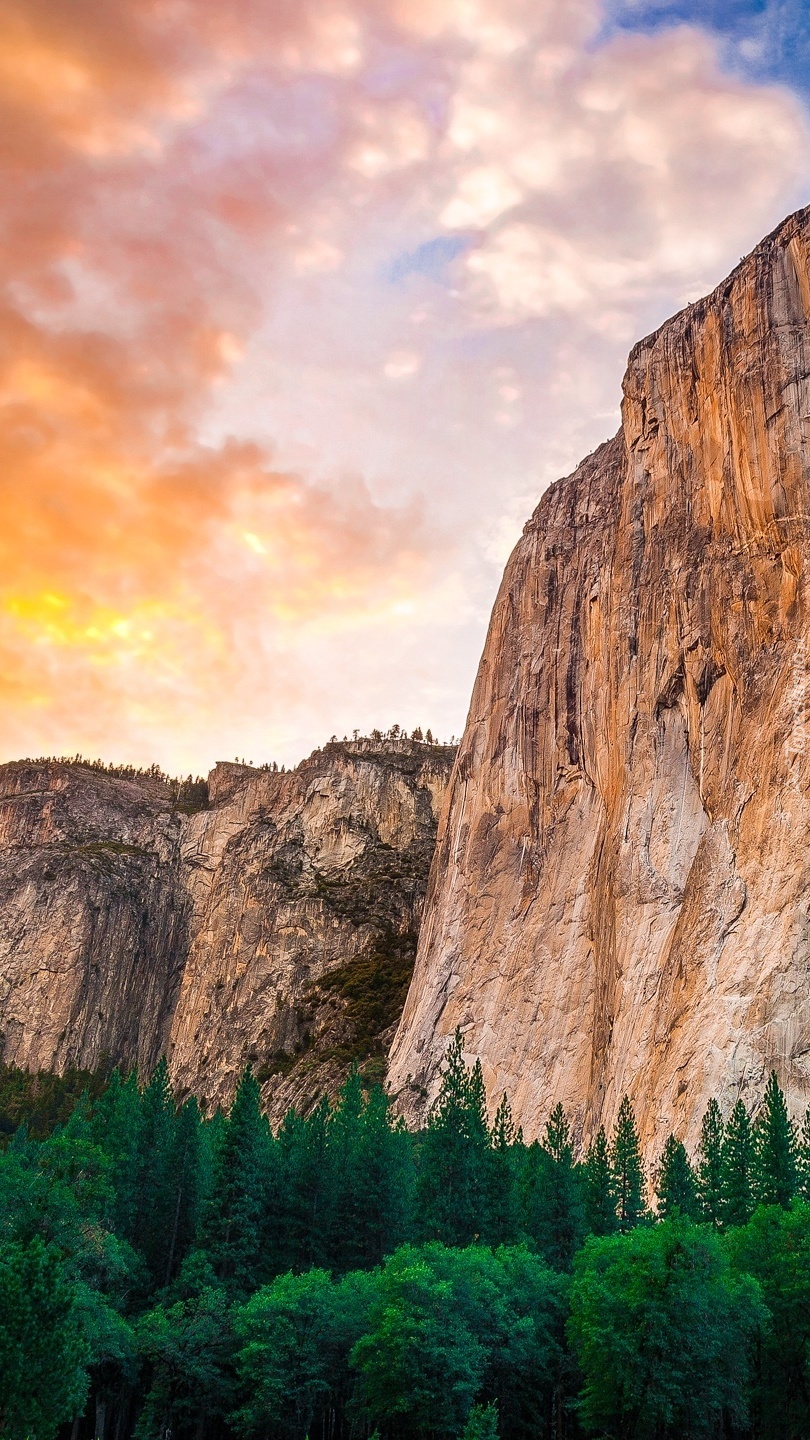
(302, 306)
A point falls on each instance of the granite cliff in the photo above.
(620, 893)
(267, 916)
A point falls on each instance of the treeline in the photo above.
(188, 793)
(166, 1275)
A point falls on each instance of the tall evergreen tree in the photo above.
(232, 1230)
(346, 1247)
(736, 1166)
(507, 1148)
(370, 1181)
(155, 1171)
(188, 1182)
(676, 1188)
(803, 1158)
(503, 1126)
(299, 1221)
(454, 1190)
(627, 1169)
(388, 1179)
(555, 1202)
(116, 1125)
(775, 1149)
(710, 1164)
(600, 1195)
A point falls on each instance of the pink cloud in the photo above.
(203, 342)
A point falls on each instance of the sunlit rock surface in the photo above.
(619, 898)
(278, 925)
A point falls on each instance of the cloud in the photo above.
(300, 307)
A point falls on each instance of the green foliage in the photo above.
(373, 986)
(296, 1337)
(233, 1226)
(552, 1194)
(775, 1248)
(736, 1167)
(42, 1100)
(600, 1195)
(627, 1171)
(676, 1187)
(450, 1326)
(43, 1352)
(663, 1331)
(482, 1423)
(221, 1280)
(710, 1165)
(456, 1178)
(371, 1178)
(189, 1347)
(775, 1149)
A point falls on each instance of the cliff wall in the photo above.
(619, 898)
(277, 924)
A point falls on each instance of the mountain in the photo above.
(620, 896)
(265, 916)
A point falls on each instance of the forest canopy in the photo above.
(168, 1275)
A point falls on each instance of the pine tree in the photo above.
(506, 1145)
(300, 1225)
(555, 1207)
(188, 1179)
(370, 1181)
(455, 1183)
(627, 1169)
(736, 1165)
(346, 1247)
(710, 1164)
(775, 1149)
(232, 1229)
(676, 1188)
(600, 1195)
(155, 1171)
(503, 1126)
(386, 1167)
(803, 1159)
(116, 1126)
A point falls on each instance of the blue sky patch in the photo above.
(431, 258)
(759, 39)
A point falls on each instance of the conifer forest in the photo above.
(168, 1275)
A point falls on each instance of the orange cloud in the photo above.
(138, 564)
(202, 348)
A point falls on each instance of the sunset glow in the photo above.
(303, 305)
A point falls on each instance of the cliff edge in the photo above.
(619, 897)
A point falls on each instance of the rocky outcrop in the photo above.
(619, 899)
(269, 916)
(306, 894)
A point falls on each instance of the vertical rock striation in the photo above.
(619, 898)
(276, 924)
(93, 917)
(306, 892)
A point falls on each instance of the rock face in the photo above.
(275, 923)
(620, 894)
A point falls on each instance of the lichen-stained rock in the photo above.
(307, 893)
(619, 898)
(275, 924)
